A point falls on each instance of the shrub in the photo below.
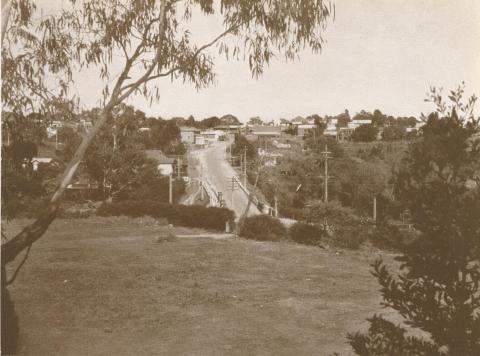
(306, 234)
(350, 237)
(183, 215)
(390, 237)
(345, 229)
(263, 228)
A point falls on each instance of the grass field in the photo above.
(107, 287)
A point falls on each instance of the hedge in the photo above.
(307, 234)
(263, 228)
(176, 214)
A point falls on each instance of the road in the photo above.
(219, 171)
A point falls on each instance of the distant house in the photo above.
(41, 161)
(165, 165)
(304, 128)
(229, 128)
(281, 145)
(199, 140)
(187, 134)
(269, 159)
(266, 131)
(331, 130)
(212, 135)
(357, 123)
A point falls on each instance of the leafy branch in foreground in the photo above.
(437, 290)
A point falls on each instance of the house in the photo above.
(304, 128)
(269, 159)
(266, 131)
(165, 165)
(358, 122)
(187, 134)
(200, 140)
(213, 135)
(331, 130)
(281, 145)
(43, 161)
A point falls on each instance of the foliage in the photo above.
(438, 286)
(342, 226)
(239, 145)
(365, 133)
(164, 135)
(263, 228)
(307, 234)
(255, 121)
(393, 133)
(182, 215)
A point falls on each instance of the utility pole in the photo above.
(375, 208)
(56, 139)
(326, 157)
(179, 162)
(201, 182)
(245, 167)
(276, 206)
(170, 192)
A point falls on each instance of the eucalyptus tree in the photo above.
(149, 36)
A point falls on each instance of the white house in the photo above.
(39, 161)
(303, 128)
(212, 135)
(187, 134)
(166, 165)
(356, 123)
(266, 131)
(331, 130)
(199, 140)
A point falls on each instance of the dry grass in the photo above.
(105, 287)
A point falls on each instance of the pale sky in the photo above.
(379, 54)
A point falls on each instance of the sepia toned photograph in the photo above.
(240, 177)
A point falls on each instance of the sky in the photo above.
(379, 54)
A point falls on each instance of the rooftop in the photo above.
(159, 157)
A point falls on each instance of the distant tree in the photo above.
(363, 115)
(343, 119)
(229, 119)
(164, 135)
(210, 122)
(394, 133)
(378, 119)
(438, 286)
(253, 121)
(365, 133)
(240, 144)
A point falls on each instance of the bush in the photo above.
(389, 237)
(263, 228)
(306, 234)
(350, 237)
(345, 229)
(182, 215)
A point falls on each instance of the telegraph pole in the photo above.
(201, 181)
(375, 208)
(326, 157)
(245, 167)
(179, 162)
(170, 192)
